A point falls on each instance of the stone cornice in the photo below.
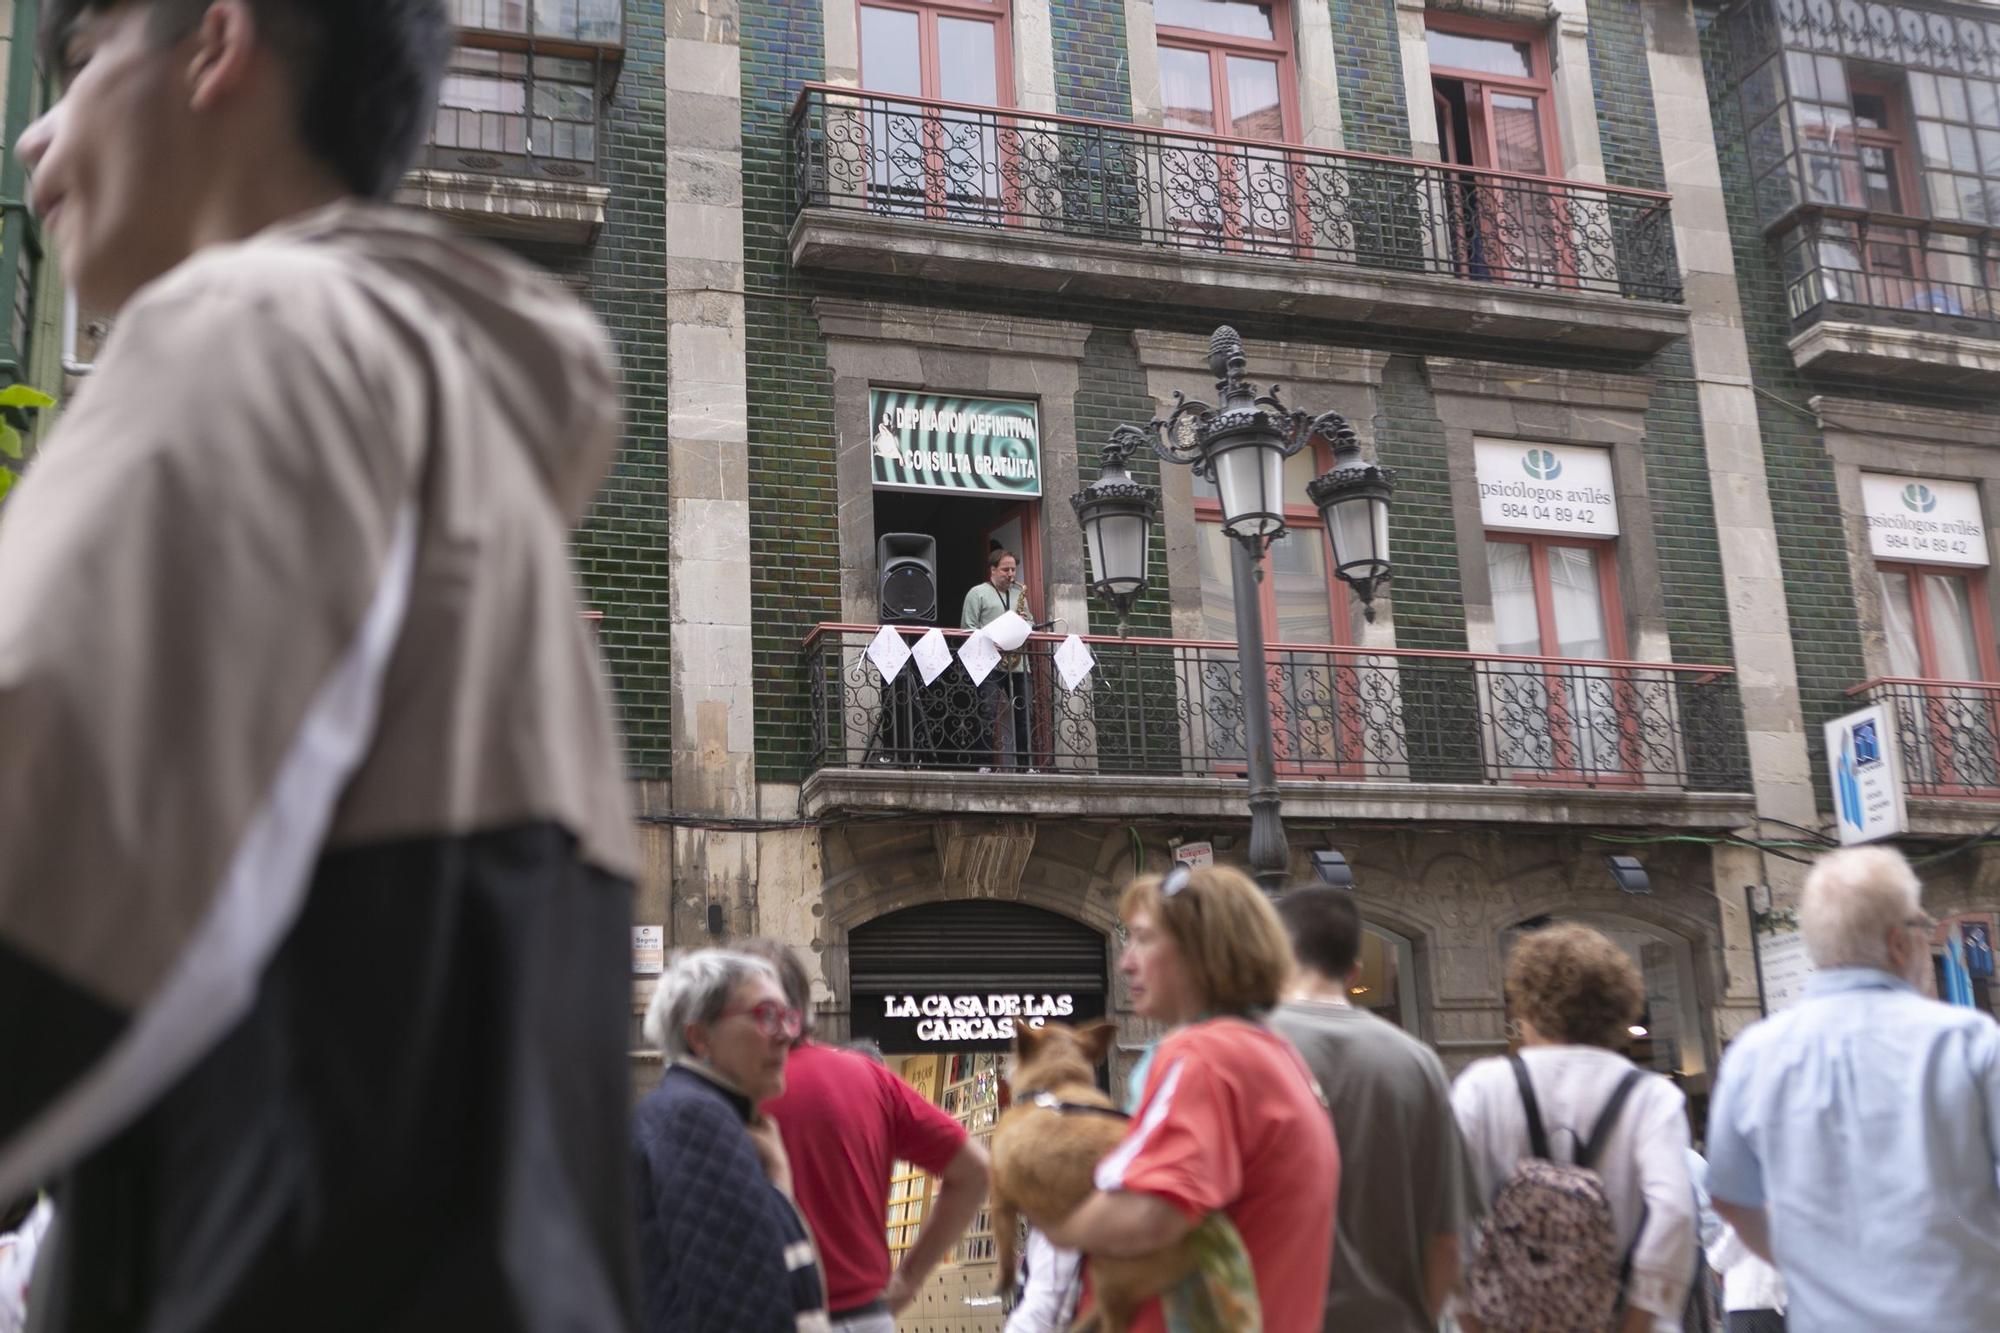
(1614, 390)
(1904, 423)
(930, 326)
(1287, 363)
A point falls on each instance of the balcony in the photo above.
(946, 192)
(513, 148)
(1158, 729)
(1948, 737)
(1893, 297)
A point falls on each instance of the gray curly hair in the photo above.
(695, 988)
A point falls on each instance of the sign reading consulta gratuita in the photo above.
(976, 1017)
(934, 442)
(1929, 522)
(1545, 488)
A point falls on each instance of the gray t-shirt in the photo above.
(1404, 1174)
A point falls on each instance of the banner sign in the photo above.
(933, 442)
(1863, 763)
(1934, 522)
(1783, 966)
(967, 1021)
(1545, 488)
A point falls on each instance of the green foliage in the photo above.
(14, 399)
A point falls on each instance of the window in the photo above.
(936, 162)
(1491, 87)
(1300, 602)
(598, 22)
(510, 103)
(1938, 630)
(1558, 598)
(1226, 69)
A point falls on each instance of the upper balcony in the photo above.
(513, 148)
(1948, 739)
(1157, 729)
(1882, 295)
(1007, 198)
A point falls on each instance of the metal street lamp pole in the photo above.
(1241, 447)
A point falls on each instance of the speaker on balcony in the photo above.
(907, 567)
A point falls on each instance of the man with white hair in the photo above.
(1854, 1140)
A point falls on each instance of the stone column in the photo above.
(1416, 48)
(1575, 102)
(1759, 625)
(708, 495)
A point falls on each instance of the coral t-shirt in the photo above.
(1230, 1120)
(846, 1120)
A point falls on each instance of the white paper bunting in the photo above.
(1073, 662)
(888, 652)
(933, 655)
(978, 656)
(1008, 630)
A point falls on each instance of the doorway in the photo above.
(966, 528)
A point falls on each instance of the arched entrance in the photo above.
(1668, 1036)
(1385, 981)
(940, 988)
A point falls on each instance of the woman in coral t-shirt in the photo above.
(1228, 1120)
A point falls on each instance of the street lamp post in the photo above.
(1241, 447)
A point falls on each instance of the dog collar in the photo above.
(1048, 1101)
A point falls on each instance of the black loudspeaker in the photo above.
(907, 569)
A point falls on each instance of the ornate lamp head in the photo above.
(1353, 499)
(1116, 514)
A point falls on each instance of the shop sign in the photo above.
(937, 442)
(969, 1020)
(649, 950)
(1782, 966)
(1861, 759)
(1934, 522)
(1545, 488)
(1195, 855)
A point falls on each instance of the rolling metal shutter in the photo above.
(975, 945)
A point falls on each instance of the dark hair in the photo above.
(996, 555)
(367, 71)
(1325, 926)
(791, 975)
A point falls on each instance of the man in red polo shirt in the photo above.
(846, 1121)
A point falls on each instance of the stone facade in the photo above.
(744, 514)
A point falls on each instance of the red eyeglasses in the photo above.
(772, 1019)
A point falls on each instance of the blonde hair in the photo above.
(1575, 986)
(1229, 936)
(1852, 900)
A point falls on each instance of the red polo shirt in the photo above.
(846, 1120)
(1229, 1120)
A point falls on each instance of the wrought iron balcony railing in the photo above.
(1170, 707)
(902, 157)
(1878, 269)
(1947, 733)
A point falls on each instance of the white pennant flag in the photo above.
(933, 655)
(1073, 662)
(978, 655)
(888, 652)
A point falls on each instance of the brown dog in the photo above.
(1045, 1151)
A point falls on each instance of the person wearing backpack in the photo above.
(1580, 1155)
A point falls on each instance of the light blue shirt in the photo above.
(1865, 1120)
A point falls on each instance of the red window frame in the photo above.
(1540, 84)
(1566, 768)
(928, 12)
(1941, 704)
(1218, 47)
(940, 124)
(1303, 522)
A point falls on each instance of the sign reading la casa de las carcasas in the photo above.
(938, 442)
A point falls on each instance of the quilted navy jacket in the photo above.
(721, 1250)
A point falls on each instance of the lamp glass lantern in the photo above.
(1247, 464)
(1116, 514)
(1353, 500)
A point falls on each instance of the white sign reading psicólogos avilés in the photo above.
(1545, 488)
(1924, 520)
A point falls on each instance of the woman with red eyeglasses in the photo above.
(723, 1249)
